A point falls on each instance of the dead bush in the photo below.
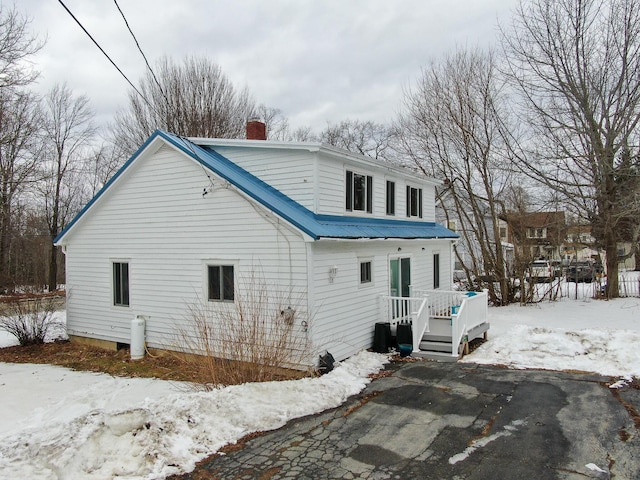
(261, 336)
(31, 321)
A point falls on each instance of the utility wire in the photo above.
(141, 52)
(105, 53)
(186, 141)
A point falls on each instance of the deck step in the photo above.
(437, 356)
(428, 337)
(432, 346)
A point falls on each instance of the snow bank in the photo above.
(613, 353)
(591, 335)
(168, 434)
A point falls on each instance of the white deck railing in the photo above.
(466, 310)
(413, 310)
(472, 312)
(440, 301)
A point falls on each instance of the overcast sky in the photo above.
(318, 61)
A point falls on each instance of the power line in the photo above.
(153, 109)
(104, 53)
(141, 52)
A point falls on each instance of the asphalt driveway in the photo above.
(454, 421)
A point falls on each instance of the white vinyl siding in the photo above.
(332, 191)
(155, 218)
(345, 313)
(291, 172)
(159, 219)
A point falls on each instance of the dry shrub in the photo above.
(261, 336)
(30, 320)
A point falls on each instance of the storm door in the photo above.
(400, 281)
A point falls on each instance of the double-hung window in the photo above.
(391, 197)
(220, 283)
(359, 192)
(414, 202)
(121, 284)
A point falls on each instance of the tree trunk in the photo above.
(5, 240)
(53, 232)
(53, 266)
(612, 289)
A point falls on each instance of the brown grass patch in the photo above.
(94, 359)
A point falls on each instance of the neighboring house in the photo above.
(580, 244)
(627, 253)
(537, 235)
(184, 219)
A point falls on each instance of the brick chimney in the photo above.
(256, 130)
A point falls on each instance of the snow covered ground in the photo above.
(60, 424)
(585, 335)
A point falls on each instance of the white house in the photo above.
(183, 219)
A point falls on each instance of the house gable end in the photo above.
(316, 226)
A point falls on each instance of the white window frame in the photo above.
(390, 201)
(349, 190)
(205, 278)
(439, 269)
(362, 261)
(112, 264)
(419, 201)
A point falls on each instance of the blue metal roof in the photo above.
(314, 225)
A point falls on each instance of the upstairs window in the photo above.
(121, 284)
(391, 197)
(536, 232)
(220, 283)
(414, 202)
(359, 192)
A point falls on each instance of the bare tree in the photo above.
(101, 165)
(364, 137)
(68, 132)
(453, 126)
(20, 121)
(577, 65)
(276, 123)
(190, 99)
(302, 134)
(17, 44)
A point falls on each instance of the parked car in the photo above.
(556, 266)
(581, 272)
(539, 271)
